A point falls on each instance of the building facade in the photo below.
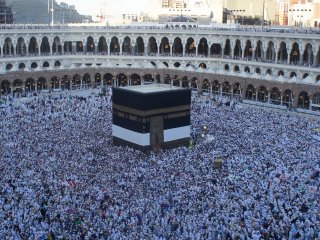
(280, 68)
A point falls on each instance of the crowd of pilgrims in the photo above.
(62, 177)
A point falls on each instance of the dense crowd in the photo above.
(62, 178)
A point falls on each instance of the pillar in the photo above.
(171, 49)
(84, 43)
(1, 50)
(315, 59)
(289, 57)
(74, 47)
(145, 50)
(62, 48)
(281, 98)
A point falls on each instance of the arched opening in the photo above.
(5, 87)
(17, 86)
(56, 46)
(177, 48)
(122, 80)
(236, 68)
(65, 82)
(194, 84)
(190, 48)
(108, 80)
(8, 47)
(287, 98)
(248, 50)
(304, 101)
(166, 64)
(67, 47)
(86, 81)
(203, 47)
(226, 67)
(45, 64)
(283, 53)
(9, 66)
(152, 46)
(177, 64)
(176, 81)
(247, 70)
(185, 82)
(79, 47)
(97, 80)
(102, 46)
(45, 46)
(251, 93)
(258, 71)
(206, 86)
(237, 50)
(90, 45)
(22, 66)
(227, 48)
(148, 78)
(165, 46)
(42, 84)
(135, 80)
(237, 90)
(76, 82)
(167, 79)
(275, 96)
(215, 50)
(308, 55)
(270, 54)
(33, 46)
(139, 47)
(34, 65)
(280, 73)
(293, 74)
(226, 89)
(259, 51)
(57, 64)
(305, 75)
(316, 99)
(21, 47)
(55, 83)
(216, 87)
(295, 54)
(203, 65)
(262, 94)
(269, 72)
(114, 46)
(126, 46)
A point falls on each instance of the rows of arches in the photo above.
(214, 87)
(286, 52)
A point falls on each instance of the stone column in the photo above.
(315, 59)
(74, 47)
(288, 53)
(62, 48)
(145, 50)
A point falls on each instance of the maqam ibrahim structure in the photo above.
(270, 66)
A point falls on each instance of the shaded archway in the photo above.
(262, 94)
(308, 55)
(316, 98)
(237, 89)
(190, 48)
(8, 48)
(21, 66)
(148, 78)
(251, 93)
(5, 87)
(215, 50)
(102, 46)
(108, 80)
(34, 65)
(79, 47)
(270, 54)
(114, 46)
(45, 46)
(237, 52)
(185, 82)
(283, 53)
(216, 87)
(287, 98)
(194, 84)
(97, 79)
(55, 83)
(42, 84)
(152, 46)
(203, 47)
(76, 82)
(259, 51)
(226, 89)
(45, 64)
(304, 100)
(135, 79)
(206, 86)
(90, 45)
(86, 81)
(227, 48)
(203, 65)
(248, 50)
(56, 46)
(177, 48)
(176, 81)
(33, 47)
(126, 46)
(65, 82)
(165, 46)
(167, 79)
(67, 47)
(17, 86)
(21, 47)
(275, 96)
(295, 54)
(139, 47)
(122, 80)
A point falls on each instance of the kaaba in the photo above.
(151, 116)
